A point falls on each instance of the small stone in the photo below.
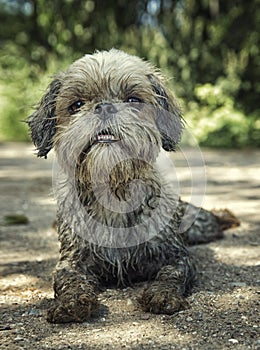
(34, 312)
(233, 341)
(18, 338)
(238, 284)
(199, 315)
(253, 243)
(145, 317)
(129, 302)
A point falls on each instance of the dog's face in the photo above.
(106, 109)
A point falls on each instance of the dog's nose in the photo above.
(105, 110)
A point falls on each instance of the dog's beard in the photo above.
(115, 151)
(116, 164)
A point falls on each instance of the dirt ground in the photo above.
(224, 305)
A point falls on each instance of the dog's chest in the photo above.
(125, 266)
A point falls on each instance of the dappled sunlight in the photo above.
(235, 173)
(247, 255)
(46, 201)
(18, 259)
(17, 282)
(136, 333)
(243, 299)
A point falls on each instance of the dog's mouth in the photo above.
(106, 136)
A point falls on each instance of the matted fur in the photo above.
(107, 117)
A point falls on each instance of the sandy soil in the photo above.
(224, 305)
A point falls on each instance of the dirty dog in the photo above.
(107, 118)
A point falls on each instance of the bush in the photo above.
(21, 87)
(217, 122)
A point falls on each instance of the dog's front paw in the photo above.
(159, 298)
(72, 308)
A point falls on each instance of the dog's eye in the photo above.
(75, 106)
(134, 99)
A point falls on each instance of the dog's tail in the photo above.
(225, 218)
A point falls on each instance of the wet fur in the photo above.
(97, 179)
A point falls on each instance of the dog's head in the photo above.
(109, 105)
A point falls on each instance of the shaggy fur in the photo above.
(107, 117)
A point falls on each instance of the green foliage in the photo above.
(216, 122)
(14, 89)
(208, 48)
(21, 86)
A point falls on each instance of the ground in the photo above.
(224, 304)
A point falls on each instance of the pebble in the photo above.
(129, 302)
(18, 338)
(233, 341)
(238, 284)
(145, 317)
(34, 312)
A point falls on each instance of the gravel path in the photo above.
(224, 305)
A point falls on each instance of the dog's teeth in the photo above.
(105, 137)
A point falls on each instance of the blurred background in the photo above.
(209, 49)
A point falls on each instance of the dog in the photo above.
(108, 117)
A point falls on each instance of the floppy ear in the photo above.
(42, 122)
(168, 119)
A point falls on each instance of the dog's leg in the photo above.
(75, 295)
(166, 294)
